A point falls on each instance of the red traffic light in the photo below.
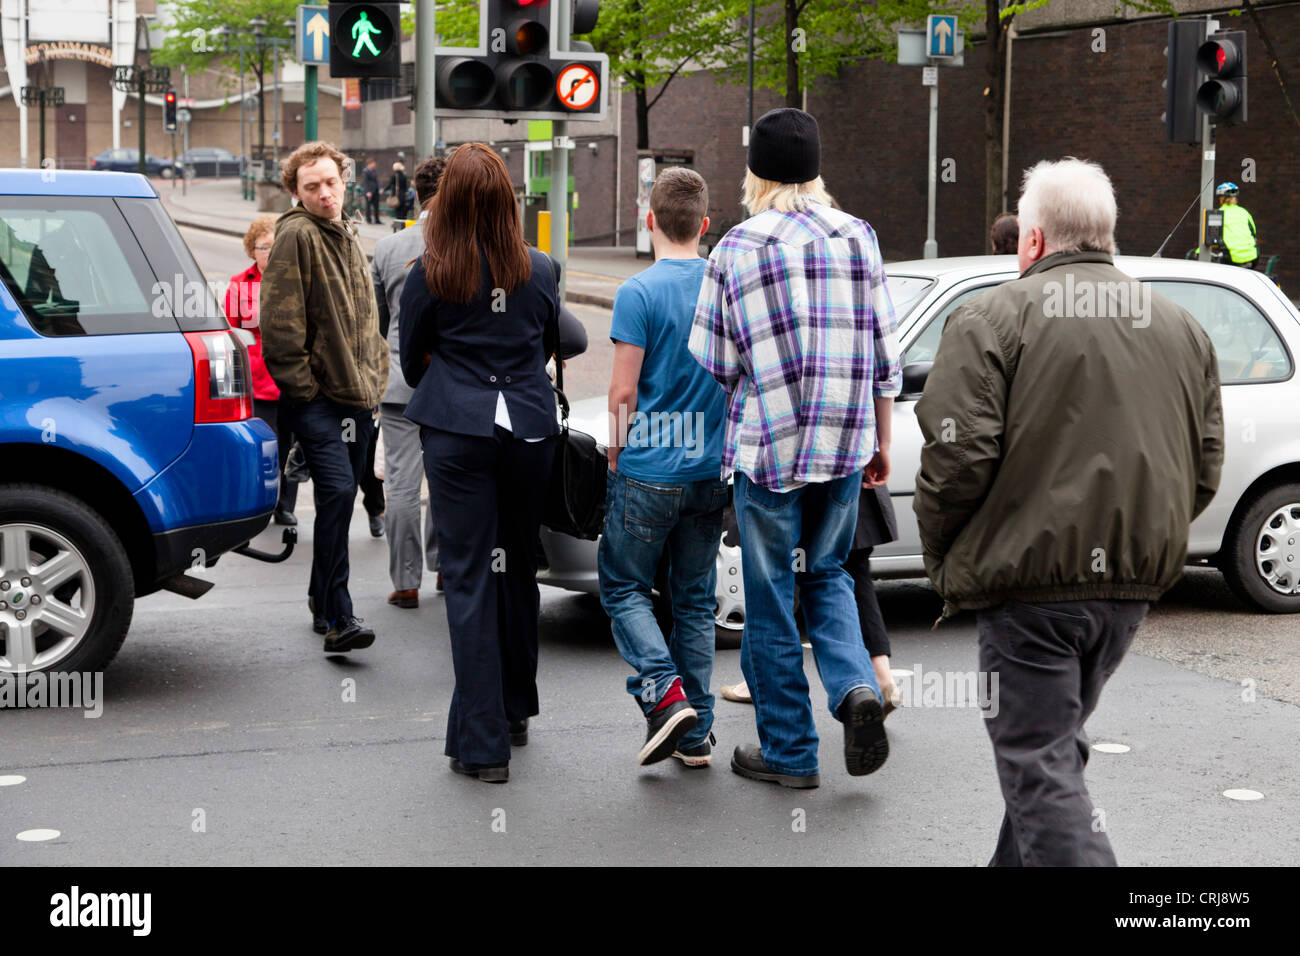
(171, 98)
(526, 37)
(1219, 57)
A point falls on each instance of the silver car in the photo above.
(1250, 531)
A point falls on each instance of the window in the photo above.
(904, 291)
(75, 268)
(1248, 346)
(926, 345)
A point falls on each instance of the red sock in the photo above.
(673, 695)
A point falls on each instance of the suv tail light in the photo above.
(223, 385)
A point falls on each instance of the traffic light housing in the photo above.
(517, 72)
(1182, 80)
(169, 111)
(1222, 57)
(365, 40)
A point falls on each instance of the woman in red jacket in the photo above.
(241, 312)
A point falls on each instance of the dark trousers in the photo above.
(334, 439)
(1051, 662)
(269, 412)
(372, 207)
(488, 495)
(372, 488)
(874, 634)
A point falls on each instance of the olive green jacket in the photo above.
(1073, 429)
(320, 323)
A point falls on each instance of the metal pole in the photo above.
(185, 133)
(558, 197)
(42, 129)
(243, 145)
(426, 77)
(275, 123)
(309, 104)
(932, 247)
(139, 87)
(1207, 180)
(1006, 117)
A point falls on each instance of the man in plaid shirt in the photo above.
(794, 320)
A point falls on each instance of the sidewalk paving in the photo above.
(593, 273)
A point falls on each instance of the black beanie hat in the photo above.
(785, 147)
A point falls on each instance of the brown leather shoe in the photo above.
(407, 599)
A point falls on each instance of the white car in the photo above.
(1250, 531)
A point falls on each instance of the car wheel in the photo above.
(166, 172)
(729, 615)
(66, 589)
(1261, 554)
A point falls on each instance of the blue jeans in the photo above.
(643, 520)
(802, 535)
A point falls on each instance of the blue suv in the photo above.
(128, 450)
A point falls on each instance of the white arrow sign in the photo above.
(318, 28)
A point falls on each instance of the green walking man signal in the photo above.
(365, 40)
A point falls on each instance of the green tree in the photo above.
(197, 39)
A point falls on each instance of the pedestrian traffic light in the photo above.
(518, 71)
(365, 40)
(1223, 59)
(169, 111)
(1182, 80)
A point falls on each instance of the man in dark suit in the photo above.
(370, 186)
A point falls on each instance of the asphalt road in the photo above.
(228, 737)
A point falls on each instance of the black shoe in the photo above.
(865, 743)
(519, 733)
(376, 526)
(348, 634)
(318, 623)
(698, 756)
(486, 774)
(664, 728)
(285, 518)
(748, 762)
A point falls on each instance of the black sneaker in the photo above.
(519, 732)
(318, 623)
(376, 526)
(348, 634)
(699, 755)
(748, 762)
(865, 743)
(664, 728)
(486, 774)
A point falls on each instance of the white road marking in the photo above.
(1243, 795)
(36, 836)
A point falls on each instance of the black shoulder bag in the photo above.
(575, 499)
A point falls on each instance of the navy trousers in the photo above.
(488, 494)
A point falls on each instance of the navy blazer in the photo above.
(476, 352)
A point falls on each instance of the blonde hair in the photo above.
(260, 227)
(759, 195)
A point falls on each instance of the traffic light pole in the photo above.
(1207, 180)
(426, 78)
(309, 104)
(557, 199)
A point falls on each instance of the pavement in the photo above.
(593, 273)
(228, 738)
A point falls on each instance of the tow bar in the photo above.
(289, 538)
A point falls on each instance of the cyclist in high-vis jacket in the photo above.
(1238, 227)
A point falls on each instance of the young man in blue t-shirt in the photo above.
(664, 496)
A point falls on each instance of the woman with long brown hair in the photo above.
(479, 321)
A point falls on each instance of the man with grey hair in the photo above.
(1072, 430)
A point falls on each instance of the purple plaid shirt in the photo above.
(795, 321)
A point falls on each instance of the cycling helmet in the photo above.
(1226, 189)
